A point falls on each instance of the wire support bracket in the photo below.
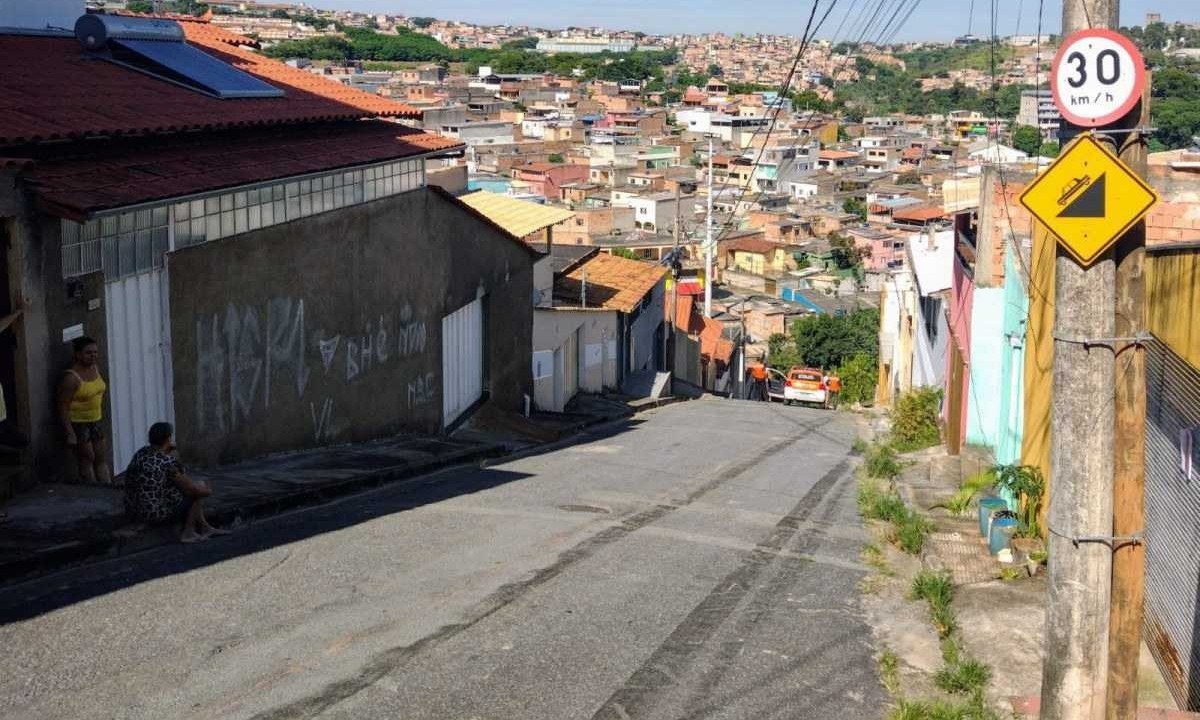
(1114, 542)
(1137, 341)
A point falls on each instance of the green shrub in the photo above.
(881, 462)
(915, 420)
(859, 447)
(858, 375)
(1026, 483)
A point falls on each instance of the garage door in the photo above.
(139, 360)
(462, 360)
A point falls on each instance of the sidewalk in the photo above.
(55, 523)
(1002, 621)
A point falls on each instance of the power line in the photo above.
(862, 35)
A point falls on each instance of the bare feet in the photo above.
(189, 536)
(210, 531)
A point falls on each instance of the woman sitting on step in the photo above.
(157, 491)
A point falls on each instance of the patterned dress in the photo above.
(151, 494)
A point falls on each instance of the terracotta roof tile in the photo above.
(51, 89)
(919, 214)
(613, 283)
(133, 171)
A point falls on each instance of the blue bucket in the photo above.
(987, 506)
(1001, 533)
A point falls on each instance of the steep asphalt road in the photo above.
(701, 563)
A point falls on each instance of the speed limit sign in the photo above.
(1097, 77)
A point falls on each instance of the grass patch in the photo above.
(936, 589)
(889, 672)
(965, 676)
(909, 528)
(881, 462)
(872, 555)
(1008, 574)
(859, 446)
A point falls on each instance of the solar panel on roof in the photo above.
(192, 67)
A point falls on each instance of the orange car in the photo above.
(805, 385)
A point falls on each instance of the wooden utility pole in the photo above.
(1075, 669)
(1129, 444)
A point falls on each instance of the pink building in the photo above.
(545, 179)
(886, 250)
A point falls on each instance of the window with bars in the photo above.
(130, 242)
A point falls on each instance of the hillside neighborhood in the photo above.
(357, 255)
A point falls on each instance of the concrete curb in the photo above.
(117, 543)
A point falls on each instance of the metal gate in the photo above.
(571, 365)
(139, 360)
(462, 360)
(1172, 614)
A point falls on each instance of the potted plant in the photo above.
(1027, 485)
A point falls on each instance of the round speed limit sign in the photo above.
(1098, 76)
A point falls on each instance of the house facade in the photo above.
(268, 270)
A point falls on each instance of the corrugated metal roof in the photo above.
(519, 217)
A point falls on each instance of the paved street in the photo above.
(702, 563)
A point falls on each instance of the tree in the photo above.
(846, 254)
(1049, 149)
(781, 353)
(556, 159)
(1027, 139)
(139, 6)
(422, 22)
(714, 70)
(912, 177)
(827, 341)
(281, 14)
(525, 43)
(626, 253)
(854, 206)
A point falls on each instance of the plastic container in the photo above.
(987, 506)
(1001, 533)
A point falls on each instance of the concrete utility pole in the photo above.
(1075, 671)
(708, 238)
(1129, 438)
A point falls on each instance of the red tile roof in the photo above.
(919, 214)
(712, 344)
(133, 171)
(51, 89)
(836, 155)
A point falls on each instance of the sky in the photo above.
(933, 20)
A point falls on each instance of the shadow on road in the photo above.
(29, 599)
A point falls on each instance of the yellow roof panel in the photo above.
(519, 217)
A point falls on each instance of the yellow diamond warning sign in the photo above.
(1088, 198)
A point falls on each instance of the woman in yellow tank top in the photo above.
(80, 407)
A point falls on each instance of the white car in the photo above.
(805, 385)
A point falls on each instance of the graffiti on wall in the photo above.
(248, 356)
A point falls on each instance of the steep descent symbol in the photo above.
(1088, 200)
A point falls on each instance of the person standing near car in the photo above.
(833, 391)
(81, 409)
(758, 373)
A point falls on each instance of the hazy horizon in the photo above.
(932, 21)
